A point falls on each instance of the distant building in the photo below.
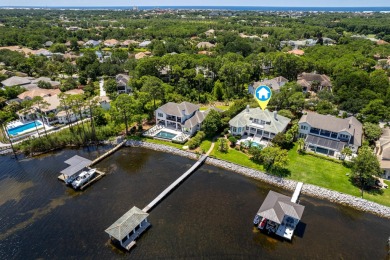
(205, 45)
(91, 43)
(314, 82)
(258, 123)
(111, 43)
(210, 33)
(297, 52)
(273, 84)
(329, 135)
(144, 44)
(16, 81)
(123, 83)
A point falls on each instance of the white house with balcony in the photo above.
(383, 152)
(258, 123)
(329, 135)
(184, 117)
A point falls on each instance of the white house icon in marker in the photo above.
(263, 95)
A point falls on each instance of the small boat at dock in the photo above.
(83, 178)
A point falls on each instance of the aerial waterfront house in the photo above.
(383, 152)
(128, 227)
(184, 117)
(258, 123)
(328, 135)
(177, 122)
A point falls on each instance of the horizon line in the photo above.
(186, 6)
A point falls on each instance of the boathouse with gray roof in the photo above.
(258, 123)
(129, 227)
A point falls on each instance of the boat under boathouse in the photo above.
(76, 164)
(128, 227)
(281, 214)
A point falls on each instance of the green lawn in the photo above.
(310, 169)
(236, 157)
(222, 107)
(205, 145)
(156, 141)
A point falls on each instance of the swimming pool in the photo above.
(17, 130)
(254, 144)
(165, 135)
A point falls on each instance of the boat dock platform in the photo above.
(162, 195)
(78, 163)
(297, 192)
(135, 220)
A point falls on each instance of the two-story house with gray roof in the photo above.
(329, 135)
(258, 123)
(184, 117)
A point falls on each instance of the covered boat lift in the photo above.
(281, 213)
(128, 227)
(76, 164)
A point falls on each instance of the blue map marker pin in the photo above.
(263, 95)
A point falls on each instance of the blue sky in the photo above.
(299, 3)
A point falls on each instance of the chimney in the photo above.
(276, 115)
(247, 108)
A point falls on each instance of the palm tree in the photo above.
(92, 104)
(41, 104)
(65, 106)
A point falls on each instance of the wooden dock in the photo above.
(99, 175)
(297, 191)
(162, 195)
(116, 148)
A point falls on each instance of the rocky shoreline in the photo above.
(308, 189)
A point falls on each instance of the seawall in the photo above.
(308, 189)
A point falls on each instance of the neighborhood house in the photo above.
(329, 135)
(383, 152)
(184, 117)
(258, 123)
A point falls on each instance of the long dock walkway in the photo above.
(297, 191)
(174, 184)
(113, 150)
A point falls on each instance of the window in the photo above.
(160, 115)
(255, 121)
(304, 127)
(234, 129)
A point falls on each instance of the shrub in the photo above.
(195, 141)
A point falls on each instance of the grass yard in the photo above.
(205, 145)
(313, 170)
(237, 157)
(156, 141)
